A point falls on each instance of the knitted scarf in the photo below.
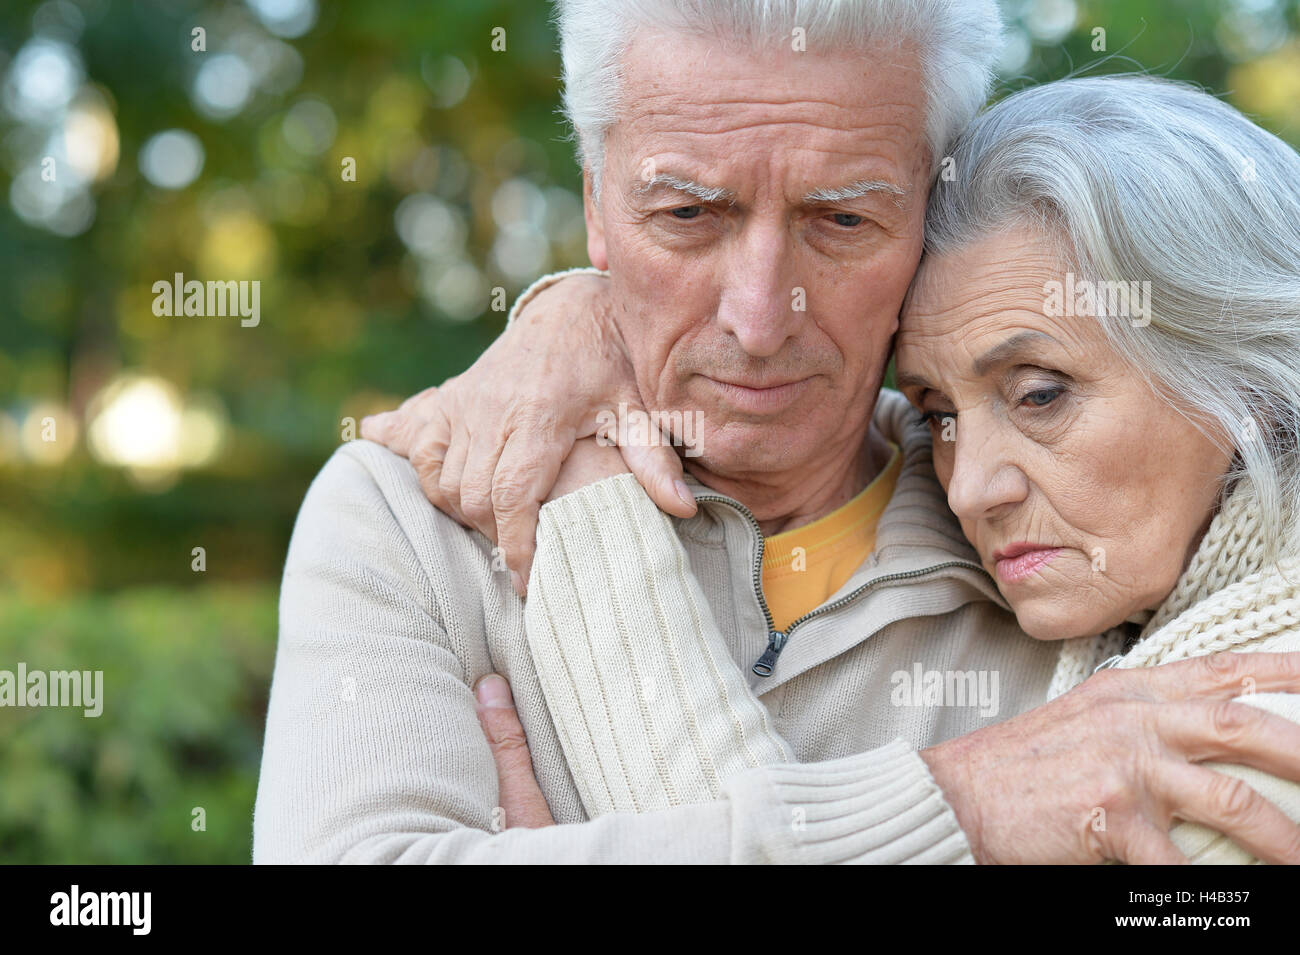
(1226, 598)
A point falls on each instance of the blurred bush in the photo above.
(184, 694)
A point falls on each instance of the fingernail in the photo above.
(684, 493)
(493, 692)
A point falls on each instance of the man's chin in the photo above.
(746, 448)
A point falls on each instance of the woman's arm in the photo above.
(487, 445)
(651, 709)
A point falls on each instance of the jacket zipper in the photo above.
(776, 639)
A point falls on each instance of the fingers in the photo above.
(1228, 805)
(1142, 843)
(659, 471)
(1225, 675)
(519, 795)
(450, 471)
(526, 471)
(427, 452)
(1232, 733)
(476, 484)
(397, 430)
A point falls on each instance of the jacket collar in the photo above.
(918, 541)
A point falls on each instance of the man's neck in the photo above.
(789, 499)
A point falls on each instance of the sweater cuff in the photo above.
(880, 807)
(542, 284)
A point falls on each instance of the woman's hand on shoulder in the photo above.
(489, 445)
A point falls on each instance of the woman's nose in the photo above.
(985, 475)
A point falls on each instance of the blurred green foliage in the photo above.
(185, 686)
(358, 310)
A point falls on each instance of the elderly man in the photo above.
(755, 188)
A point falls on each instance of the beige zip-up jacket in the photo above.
(390, 611)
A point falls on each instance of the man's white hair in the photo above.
(958, 41)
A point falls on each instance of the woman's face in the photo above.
(1084, 492)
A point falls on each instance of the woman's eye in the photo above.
(687, 212)
(847, 219)
(1042, 396)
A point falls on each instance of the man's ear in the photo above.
(595, 225)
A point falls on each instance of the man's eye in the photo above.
(688, 212)
(847, 219)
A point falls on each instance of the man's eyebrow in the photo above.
(1010, 349)
(690, 187)
(854, 190)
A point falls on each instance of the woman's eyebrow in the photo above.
(907, 379)
(1014, 347)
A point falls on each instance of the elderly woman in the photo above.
(1104, 341)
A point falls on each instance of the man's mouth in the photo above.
(1022, 560)
(759, 397)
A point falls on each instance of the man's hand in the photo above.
(1101, 772)
(521, 799)
(487, 445)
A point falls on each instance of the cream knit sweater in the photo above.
(390, 611)
(670, 735)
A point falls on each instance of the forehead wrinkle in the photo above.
(1009, 350)
(736, 114)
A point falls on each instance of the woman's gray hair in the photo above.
(959, 43)
(1147, 180)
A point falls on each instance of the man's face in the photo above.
(768, 307)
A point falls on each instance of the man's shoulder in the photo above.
(361, 469)
(367, 496)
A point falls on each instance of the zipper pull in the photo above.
(767, 662)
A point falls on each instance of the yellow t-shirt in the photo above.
(804, 566)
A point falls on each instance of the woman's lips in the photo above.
(761, 400)
(1020, 561)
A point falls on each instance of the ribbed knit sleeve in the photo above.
(881, 807)
(653, 712)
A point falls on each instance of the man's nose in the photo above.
(986, 477)
(762, 304)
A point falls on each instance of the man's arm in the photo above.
(374, 752)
